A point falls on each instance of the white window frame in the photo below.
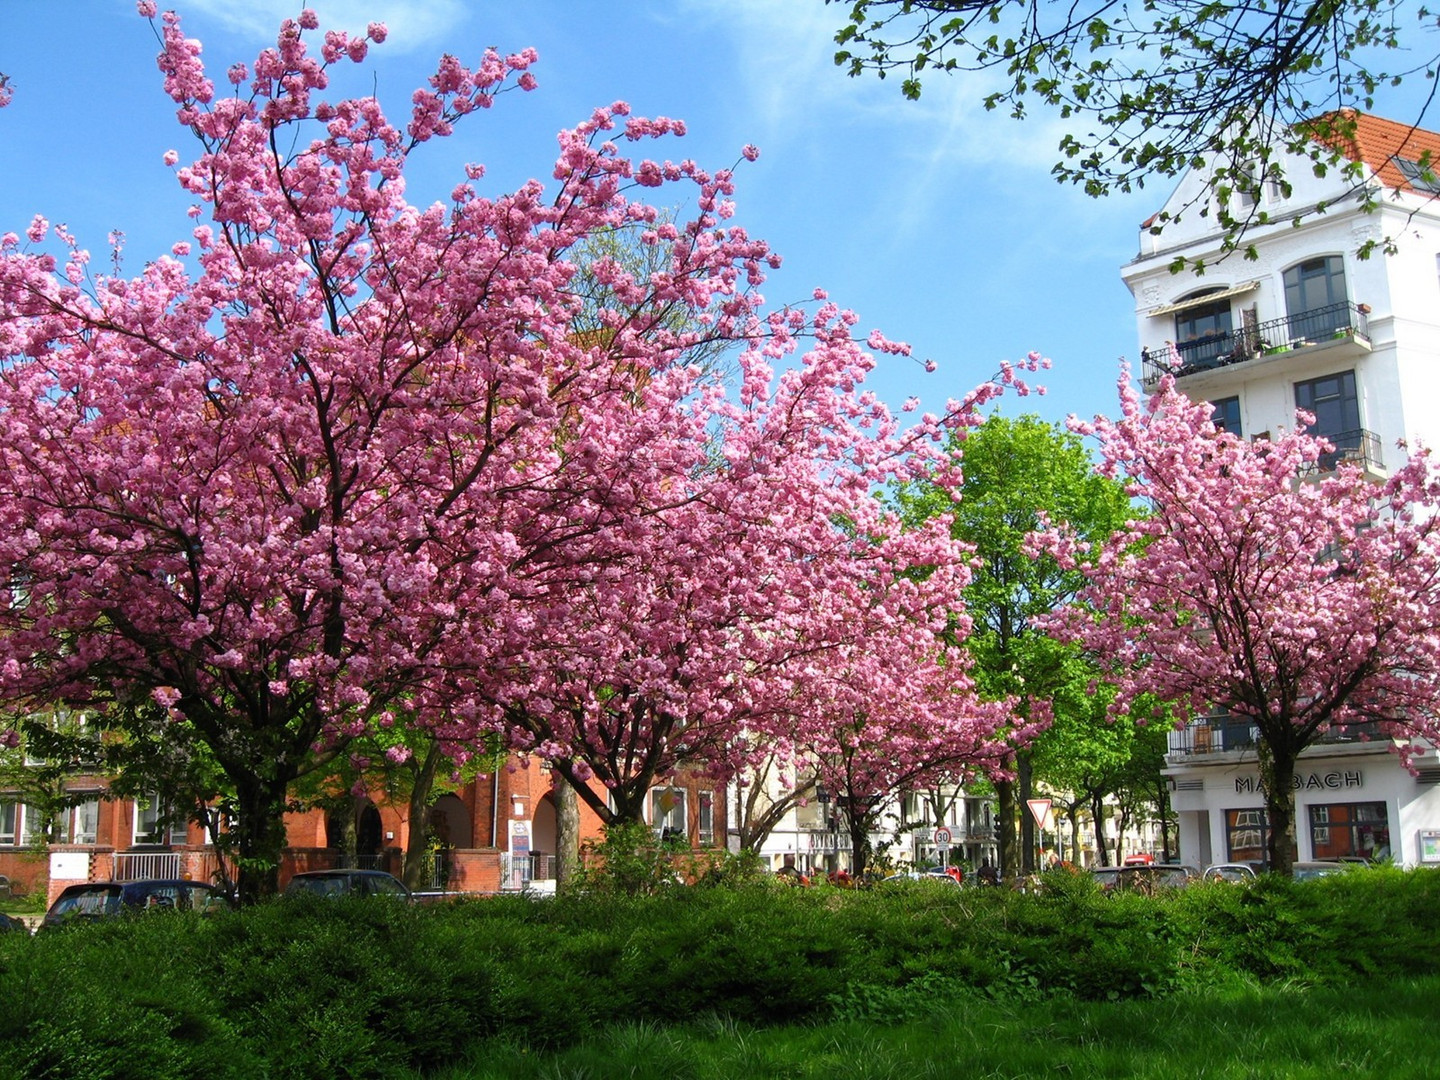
(705, 801)
(84, 822)
(674, 818)
(153, 813)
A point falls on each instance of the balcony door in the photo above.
(1315, 300)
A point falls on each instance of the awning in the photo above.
(1208, 298)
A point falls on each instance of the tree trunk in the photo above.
(259, 835)
(859, 844)
(1025, 778)
(1005, 827)
(1102, 848)
(567, 835)
(1277, 780)
(417, 839)
(1163, 802)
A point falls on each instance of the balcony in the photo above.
(1223, 733)
(1361, 448)
(1319, 328)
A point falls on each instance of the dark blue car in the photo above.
(94, 900)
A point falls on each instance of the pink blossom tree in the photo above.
(340, 462)
(744, 599)
(1306, 602)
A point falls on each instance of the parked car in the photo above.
(1304, 871)
(93, 900)
(1144, 877)
(923, 875)
(9, 924)
(1105, 876)
(1139, 859)
(1232, 871)
(1149, 878)
(347, 883)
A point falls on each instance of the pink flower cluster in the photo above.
(356, 464)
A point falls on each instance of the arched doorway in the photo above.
(542, 840)
(356, 835)
(450, 823)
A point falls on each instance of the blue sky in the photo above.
(936, 221)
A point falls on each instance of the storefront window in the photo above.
(1246, 833)
(1349, 830)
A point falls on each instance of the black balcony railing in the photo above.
(1360, 448)
(1331, 323)
(1223, 733)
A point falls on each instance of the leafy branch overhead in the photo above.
(1160, 87)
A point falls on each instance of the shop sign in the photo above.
(1430, 846)
(1315, 781)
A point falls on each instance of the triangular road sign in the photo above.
(1040, 810)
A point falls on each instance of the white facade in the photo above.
(1354, 340)
(812, 836)
(1269, 334)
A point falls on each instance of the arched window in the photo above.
(1315, 301)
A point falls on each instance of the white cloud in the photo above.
(413, 24)
(787, 68)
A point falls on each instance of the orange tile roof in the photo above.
(1378, 142)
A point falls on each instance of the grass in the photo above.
(1279, 1033)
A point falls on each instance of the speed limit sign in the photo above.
(942, 837)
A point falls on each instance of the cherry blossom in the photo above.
(340, 458)
(1263, 578)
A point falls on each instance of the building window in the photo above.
(1420, 177)
(9, 822)
(706, 800)
(1335, 404)
(1315, 298)
(667, 812)
(1226, 416)
(153, 824)
(1246, 833)
(1203, 332)
(32, 827)
(84, 822)
(1350, 830)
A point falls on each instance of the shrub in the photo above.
(365, 988)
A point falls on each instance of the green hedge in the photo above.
(362, 988)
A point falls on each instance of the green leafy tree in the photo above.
(1089, 762)
(1153, 89)
(1015, 471)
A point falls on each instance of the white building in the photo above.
(1356, 342)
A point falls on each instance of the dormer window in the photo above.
(1418, 176)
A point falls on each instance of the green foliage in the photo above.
(366, 988)
(1156, 89)
(631, 860)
